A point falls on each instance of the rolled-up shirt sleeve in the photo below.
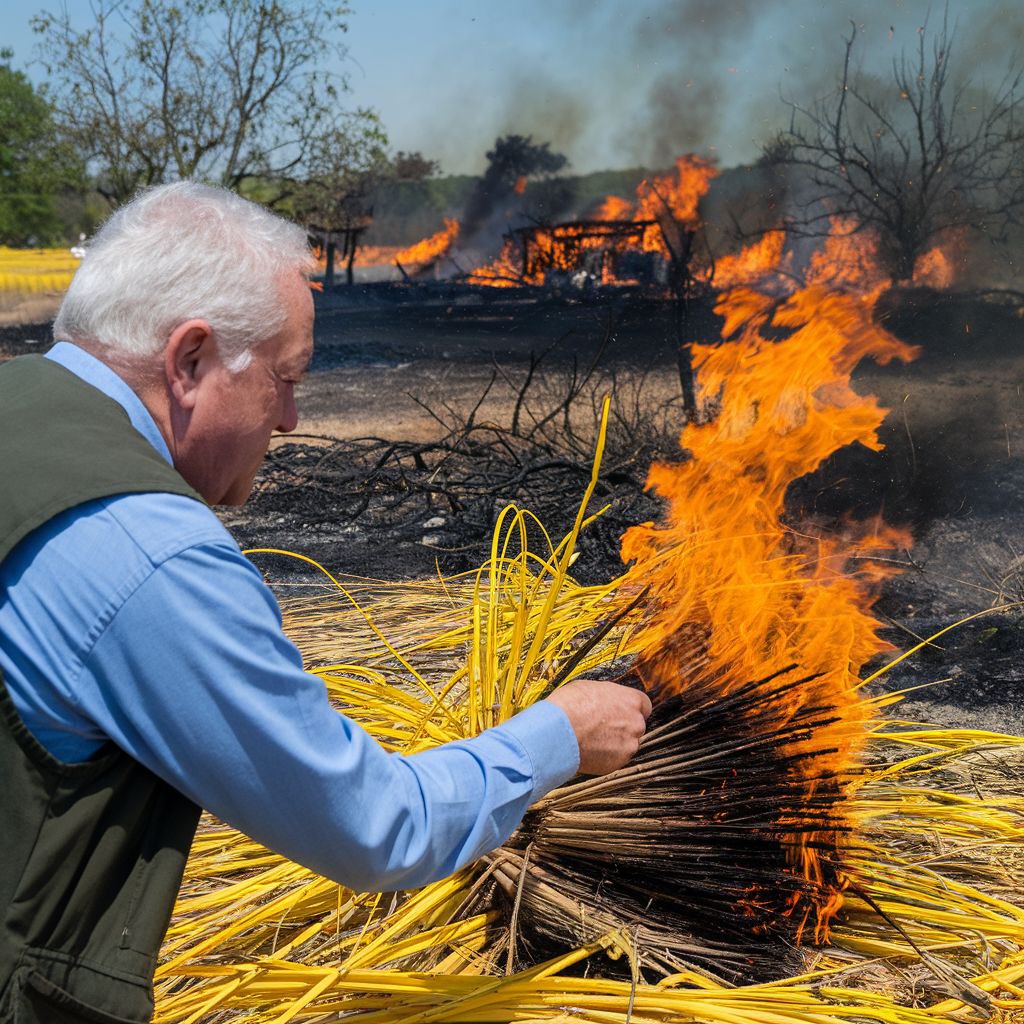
(193, 677)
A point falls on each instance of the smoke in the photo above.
(990, 37)
(504, 197)
(496, 203)
(695, 75)
(540, 105)
(617, 85)
(677, 117)
(687, 100)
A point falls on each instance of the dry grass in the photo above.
(933, 921)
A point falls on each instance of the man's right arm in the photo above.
(194, 678)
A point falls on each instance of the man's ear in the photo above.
(189, 354)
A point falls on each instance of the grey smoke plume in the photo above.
(687, 101)
(627, 84)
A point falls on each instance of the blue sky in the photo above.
(612, 83)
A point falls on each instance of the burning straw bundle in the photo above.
(688, 846)
(776, 853)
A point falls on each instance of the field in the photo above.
(257, 938)
(31, 283)
(951, 470)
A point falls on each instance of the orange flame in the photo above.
(848, 259)
(429, 249)
(504, 271)
(670, 199)
(677, 195)
(937, 268)
(756, 261)
(614, 208)
(528, 256)
(375, 255)
(725, 566)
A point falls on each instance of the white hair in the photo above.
(181, 252)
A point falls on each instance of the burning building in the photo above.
(653, 242)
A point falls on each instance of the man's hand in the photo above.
(608, 719)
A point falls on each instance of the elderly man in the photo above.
(144, 671)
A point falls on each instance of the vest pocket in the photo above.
(41, 1001)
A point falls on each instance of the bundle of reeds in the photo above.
(689, 846)
(932, 923)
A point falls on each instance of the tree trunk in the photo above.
(329, 269)
(904, 262)
(687, 382)
(349, 273)
(684, 359)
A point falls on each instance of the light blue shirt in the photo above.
(137, 619)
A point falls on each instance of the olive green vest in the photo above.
(91, 854)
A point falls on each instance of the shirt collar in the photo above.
(102, 377)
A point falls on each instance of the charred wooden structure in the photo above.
(339, 244)
(606, 251)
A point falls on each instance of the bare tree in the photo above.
(690, 273)
(229, 91)
(910, 161)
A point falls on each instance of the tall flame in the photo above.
(740, 593)
(614, 208)
(429, 249)
(677, 195)
(763, 258)
(847, 259)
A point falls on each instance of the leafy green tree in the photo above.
(34, 165)
(237, 92)
(414, 167)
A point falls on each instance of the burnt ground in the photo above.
(951, 472)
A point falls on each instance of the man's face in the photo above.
(236, 413)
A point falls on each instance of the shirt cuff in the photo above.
(544, 732)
